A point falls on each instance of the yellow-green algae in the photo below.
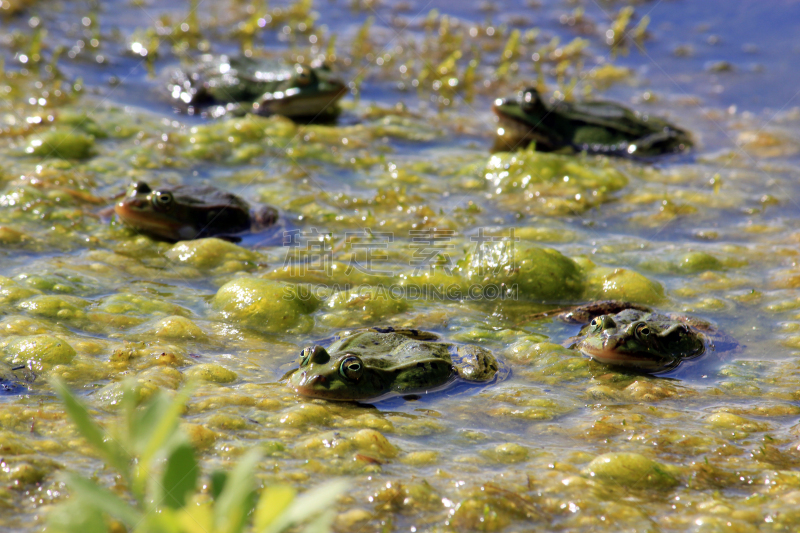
(712, 236)
(264, 305)
(38, 352)
(537, 273)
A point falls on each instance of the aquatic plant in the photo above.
(159, 473)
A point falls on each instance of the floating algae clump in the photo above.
(212, 372)
(550, 183)
(63, 143)
(603, 283)
(631, 470)
(213, 253)
(534, 272)
(38, 352)
(265, 305)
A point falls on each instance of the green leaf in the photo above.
(165, 421)
(102, 499)
(76, 516)
(164, 521)
(273, 501)
(235, 501)
(308, 504)
(130, 399)
(145, 419)
(322, 522)
(180, 476)
(93, 433)
(218, 480)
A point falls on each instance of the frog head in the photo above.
(641, 340)
(343, 376)
(307, 92)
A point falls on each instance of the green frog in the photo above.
(14, 380)
(635, 336)
(190, 212)
(260, 86)
(376, 363)
(594, 127)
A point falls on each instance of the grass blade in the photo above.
(102, 499)
(93, 433)
(180, 476)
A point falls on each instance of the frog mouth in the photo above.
(314, 386)
(147, 221)
(300, 105)
(611, 357)
(515, 131)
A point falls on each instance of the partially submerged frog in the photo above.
(260, 86)
(190, 212)
(14, 380)
(635, 336)
(595, 127)
(375, 363)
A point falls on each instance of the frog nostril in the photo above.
(318, 380)
(134, 202)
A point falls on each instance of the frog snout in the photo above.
(317, 381)
(133, 202)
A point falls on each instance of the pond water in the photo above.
(399, 214)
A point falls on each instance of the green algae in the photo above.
(631, 470)
(603, 283)
(213, 254)
(212, 372)
(551, 184)
(64, 143)
(264, 305)
(537, 273)
(512, 455)
(38, 352)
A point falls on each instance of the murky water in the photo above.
(393, 202)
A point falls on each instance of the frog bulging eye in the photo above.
(303, 77)
(529, 99)
(602, 322)
(642, 330)
(138, 187)
(162, 200)
(314, 354)
(351, 368)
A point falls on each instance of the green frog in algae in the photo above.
(594, 127)
(376, 363)
(260, 86)
(14, 380)
(190, 212)
(634, 336)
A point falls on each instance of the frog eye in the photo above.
(162, 200)
(351, 368)
(528, 99)
(602, 322)
(641, 330)
(303, 76)
(139, 187)
(314, 354)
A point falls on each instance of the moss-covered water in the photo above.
(400, 215)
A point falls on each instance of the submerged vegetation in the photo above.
(398, 215)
